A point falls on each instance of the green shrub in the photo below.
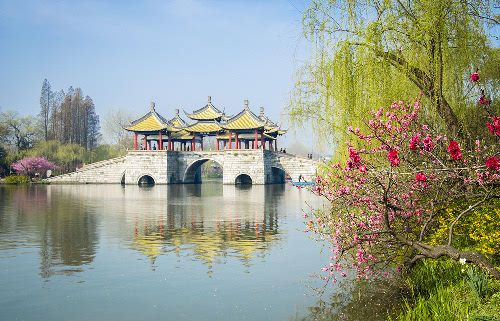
(15, 179)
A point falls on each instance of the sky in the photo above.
(126, 54)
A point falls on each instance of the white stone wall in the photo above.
(106, 172)
(141, 163)
(170, 167)
(292, 164)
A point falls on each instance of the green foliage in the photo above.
(366, 55)
(15, 179)
(106, 151)
(477, 281)
(439, 292)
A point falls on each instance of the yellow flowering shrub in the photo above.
(479, 231)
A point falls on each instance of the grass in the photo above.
(439, 291)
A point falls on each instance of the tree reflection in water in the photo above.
(360, 300)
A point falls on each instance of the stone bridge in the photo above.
(254, 166)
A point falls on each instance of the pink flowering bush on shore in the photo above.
(386, 200)
(32, 166)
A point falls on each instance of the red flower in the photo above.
(454, 150)
(474, 77)
(354, 156)
(483, 100)
(421, 177)
(393, 157)
(414, 142)
(428, 145)
(362, 168)
(495, 126)
(492, 163)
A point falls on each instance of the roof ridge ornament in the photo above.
(246, 104)
(209, 100)
(152, 106)
(261, 112)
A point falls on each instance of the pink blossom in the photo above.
(474, 77)
(393, 157)
(414, 142)
(454, 150)
(428, 145)
(492, 163)
(421, 177)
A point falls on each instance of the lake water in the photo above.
(176, 252)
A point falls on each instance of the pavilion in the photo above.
(245, 128)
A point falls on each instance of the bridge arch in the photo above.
(243, 178)
(276, 176)
(146, 179)
(192, 174)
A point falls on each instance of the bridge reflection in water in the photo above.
(209, 223)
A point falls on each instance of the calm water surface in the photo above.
(177, 252)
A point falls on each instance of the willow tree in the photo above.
(369, 53)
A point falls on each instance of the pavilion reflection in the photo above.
(210, 223)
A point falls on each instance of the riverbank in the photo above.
(438, 290)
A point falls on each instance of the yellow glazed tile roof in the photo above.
(207, 114)
(149, 124)
(183, 135)
(243, 122)
(203, 128)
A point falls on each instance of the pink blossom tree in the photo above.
(386, 200)
(33, 165)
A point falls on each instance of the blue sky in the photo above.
(125, 54)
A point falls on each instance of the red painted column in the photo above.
(255, 143)
(217, 140)
(237, 141)
(135, 140)
(145, 142)
(170, 147)
(262, 144)
(194, 142)
(229, 139)
(149, 145)
(160, 142)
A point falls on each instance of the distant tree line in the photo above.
(66, 131)
(68, 117)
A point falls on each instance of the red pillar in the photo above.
(170, 141)
(194, 142)
(217, 141)
(255, 143)
(237, 141)
(149, 145)
(135, 140)
(229, 139)
(262, 144)
(145, 142)
(160, 142)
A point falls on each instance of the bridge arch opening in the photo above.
(203, 168)
(243, 179)
(146, 180)
(278, 176)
